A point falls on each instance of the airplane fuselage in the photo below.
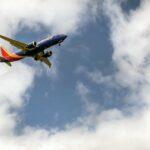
(42, 45)
(34, 49)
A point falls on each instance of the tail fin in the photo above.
(4, 56)
(4, 52)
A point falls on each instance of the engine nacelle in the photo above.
(32, 45)
(48, 54)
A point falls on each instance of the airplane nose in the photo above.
(62, 37)
(65, 36)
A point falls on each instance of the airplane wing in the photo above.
(18, 44)
(39, 57)
(46, 61)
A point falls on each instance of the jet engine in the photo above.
(32, 45)
(48, 54)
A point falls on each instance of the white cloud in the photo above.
(110, 129)
(15, 82)
(130, 37)
(55, 15)
(84, 92)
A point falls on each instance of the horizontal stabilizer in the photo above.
(8, 63)
(5, 61)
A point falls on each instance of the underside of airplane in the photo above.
(34, 50)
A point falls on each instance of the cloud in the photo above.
(130, 38)
(55, 15)
(110, 129)
(84, 93)
(14, 84)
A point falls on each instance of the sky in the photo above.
(96, 95)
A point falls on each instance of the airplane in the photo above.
(34, 50)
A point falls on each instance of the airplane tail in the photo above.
(5, 55)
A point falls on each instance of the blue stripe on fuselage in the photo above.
(41, 46)
(47, 43)
(44, 44)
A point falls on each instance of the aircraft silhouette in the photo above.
(34, 50)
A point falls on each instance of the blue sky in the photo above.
(96, 95)
(55, 102)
